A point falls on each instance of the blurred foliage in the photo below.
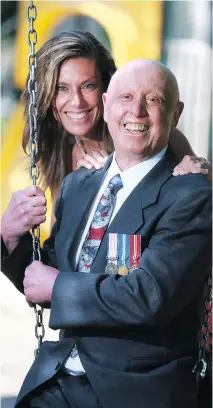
(8, 9)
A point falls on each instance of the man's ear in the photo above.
(104, 99)
(177, 113)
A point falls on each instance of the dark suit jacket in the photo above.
(136, 334)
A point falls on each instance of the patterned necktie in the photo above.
(99, 224)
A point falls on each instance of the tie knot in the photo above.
(115, 183)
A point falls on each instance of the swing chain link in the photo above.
(33, 149)
(202, 363)
(39, 328)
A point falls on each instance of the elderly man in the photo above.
(142, 237)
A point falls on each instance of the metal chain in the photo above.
(205, 333)
(33, 149)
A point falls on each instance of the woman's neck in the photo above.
(87, 145)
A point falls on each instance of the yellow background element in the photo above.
(134, 31)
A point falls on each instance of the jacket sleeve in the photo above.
(172, 272)
(13, 265)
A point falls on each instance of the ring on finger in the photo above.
(78, 164)
(203, 162)
(206, 170)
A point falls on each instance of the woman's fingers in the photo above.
(104, 153)
(88, 162)
(84, 163)
(96, 159)
(192, 164)
(100, 157)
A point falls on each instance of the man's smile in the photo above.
(134, 127)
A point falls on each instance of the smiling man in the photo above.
(125, 266)
(141, 106)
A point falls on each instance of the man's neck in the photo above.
(126, 161)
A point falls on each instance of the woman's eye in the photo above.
(62, 88)
(89, 85)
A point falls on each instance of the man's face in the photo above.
(139, 111)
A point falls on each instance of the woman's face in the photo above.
(78, 100)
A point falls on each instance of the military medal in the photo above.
(111, 269)
(112, 255)
(123, 269)
(135, 252)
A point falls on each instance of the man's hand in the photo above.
(39, 281)
(26, 209)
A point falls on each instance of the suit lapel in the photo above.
(130, 218)
(85, 191)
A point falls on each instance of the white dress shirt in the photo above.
(130, 179)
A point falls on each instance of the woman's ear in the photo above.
(177, 113)
(104, 99)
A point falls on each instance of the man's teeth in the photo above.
(136, 126)
(73, 115)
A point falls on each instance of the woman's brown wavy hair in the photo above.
(54, 142)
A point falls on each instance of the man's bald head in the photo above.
(165, 76)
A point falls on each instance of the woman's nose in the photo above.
(76, 99)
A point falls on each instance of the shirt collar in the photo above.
(135, 174)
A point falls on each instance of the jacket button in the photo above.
(57, 366)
